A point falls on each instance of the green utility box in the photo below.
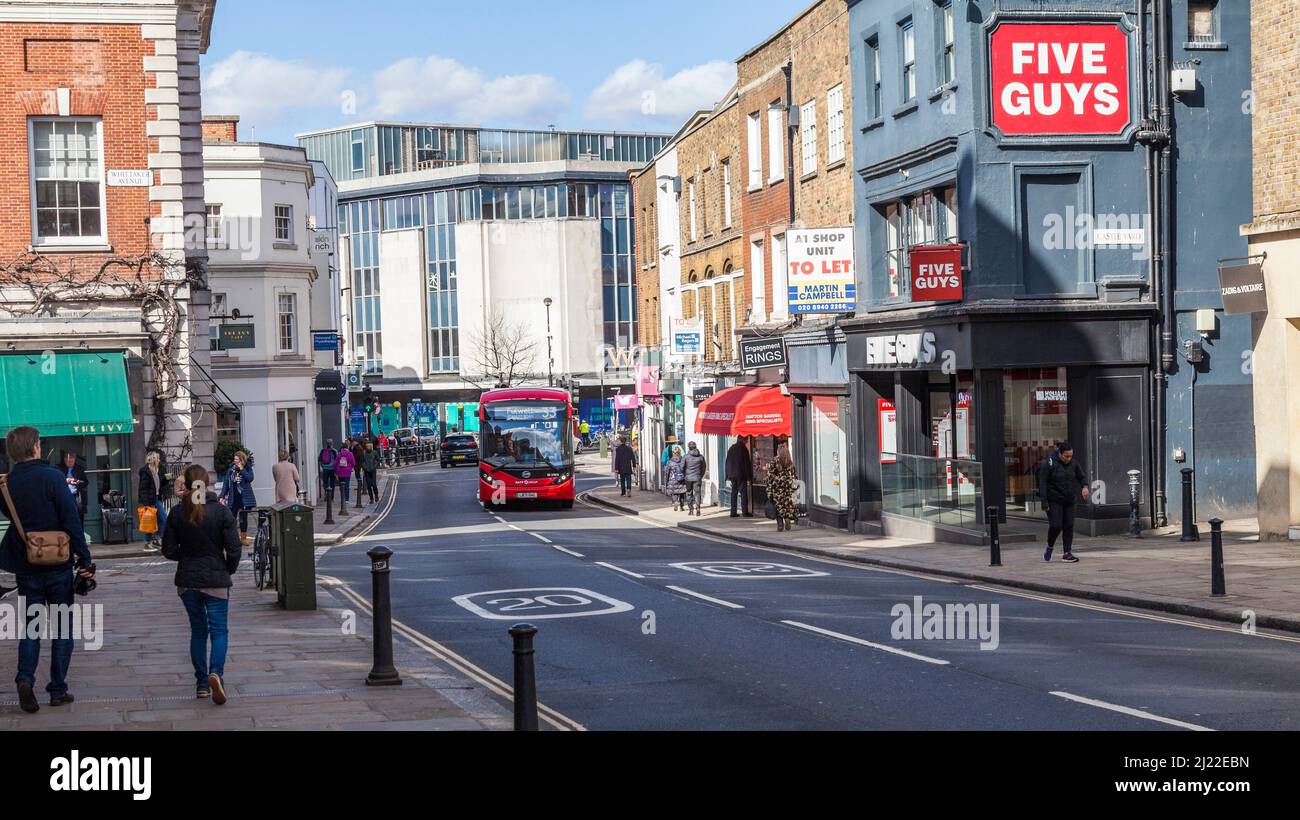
(293, 541)
(604, 447)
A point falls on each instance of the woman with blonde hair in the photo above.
(153, 490)
(781, 486)
(285, 475)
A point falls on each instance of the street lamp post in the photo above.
(550, 357)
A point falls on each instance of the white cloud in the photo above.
(262, 88)
(639, 90)
(441, 88)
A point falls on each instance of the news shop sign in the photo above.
(821, 271)
(936, 273)
(1060, 79)
(756, 354)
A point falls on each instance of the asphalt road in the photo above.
(644, 627)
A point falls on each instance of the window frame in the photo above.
(836, 133)
(217, 238)
(280, 316)
(726, 193)
(288, 218)
(694, 223)
(906, 65)
(1215, 38)
(876, 100)
(776, 126)
(754, 149)
(808, 137)
(926, 216)
(946, 43)
(68, 241)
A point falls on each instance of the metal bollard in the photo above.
(359, 477)
(382, 673)
(329, 500)
(525, 678)
(995, 541)
(1190, 533)
(1218, 586)
(1134, 487)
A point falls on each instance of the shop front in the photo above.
(823, 430)
(81, 404)
(1001, 390)
(761, 414)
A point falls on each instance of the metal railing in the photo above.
(942, 491)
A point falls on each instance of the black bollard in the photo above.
(525, 679)
(1134, 487)
(383, 673)
(329, 499)
(1218, 587)
(995, 542)
(359, 477)
(1190, 533)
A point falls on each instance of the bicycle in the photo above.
(263, 555)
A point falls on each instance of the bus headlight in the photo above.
(563, 477)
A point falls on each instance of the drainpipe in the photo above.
(1156, 135)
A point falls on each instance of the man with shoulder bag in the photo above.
(43, 545)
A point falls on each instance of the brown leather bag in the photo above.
(44, 549)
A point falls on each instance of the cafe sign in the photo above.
(236, 337)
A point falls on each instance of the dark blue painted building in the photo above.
(1091, 161)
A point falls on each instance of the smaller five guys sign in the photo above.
(1055, 79)
(936, 273)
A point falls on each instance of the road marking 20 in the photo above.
(510, 604)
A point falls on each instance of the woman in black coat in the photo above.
(154, 490)
(204, 539)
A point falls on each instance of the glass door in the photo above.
(1036, 414)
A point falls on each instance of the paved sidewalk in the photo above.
(1156, 572)
(285, 670)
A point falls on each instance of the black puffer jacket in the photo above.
(209, 553)
(1061, 483)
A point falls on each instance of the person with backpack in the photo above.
(370, 471)
(344, 465)
(1061, 483)
(37, 503)
(202, 537)
(695, 469)
(675, 479)
(326, 460)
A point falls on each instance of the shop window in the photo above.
(228, 424)
(1036, 412)
(829, 449)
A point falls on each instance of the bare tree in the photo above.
(504, 355)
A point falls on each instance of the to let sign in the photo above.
(821, 271)
(1053, 79)
(936, 273)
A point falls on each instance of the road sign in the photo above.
(540, 603)
(748, 570)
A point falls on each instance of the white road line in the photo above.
(861, 642)
(1138, 713)
(541, 538)
(499, 518)
(703, 597)
(628, 572)
(568, 551)
(513, 527)
(1144, 615)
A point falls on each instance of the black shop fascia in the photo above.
(1002, 384)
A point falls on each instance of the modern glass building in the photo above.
(499, 220)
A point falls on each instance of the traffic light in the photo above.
(368, 397)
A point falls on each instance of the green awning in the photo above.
(65, 394)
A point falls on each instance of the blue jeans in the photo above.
(207, 620)
(43, 589)
(344, 484)
(624, 483)
(162, 517)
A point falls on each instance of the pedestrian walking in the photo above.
(237, 491)
(669, 446)
(1061, 484)
(39, 506)
(343, 468)
(584, 431)
(781, 484)
(204, 541)
(370, 471)
(286, 478)
(383, 448)
(624, 466)
(152, 491)
(695, 469)
(328, 456)
(675, 479)
(740, 475)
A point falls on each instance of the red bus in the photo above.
(526, 446)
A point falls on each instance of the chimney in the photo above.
(221, 128)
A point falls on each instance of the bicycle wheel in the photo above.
(259, 564)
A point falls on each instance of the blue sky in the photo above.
(287, 66)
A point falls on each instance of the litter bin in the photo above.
(293, 542)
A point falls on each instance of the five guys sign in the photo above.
(936, 273)
(1060, 79)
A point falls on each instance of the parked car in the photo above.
(460, 448)
(404, 436)
(426, 435)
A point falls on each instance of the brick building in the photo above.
(102, 260)
(1275, 231)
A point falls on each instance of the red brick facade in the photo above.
(102, 66)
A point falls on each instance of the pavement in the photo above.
(284, 670)
(1156, 572)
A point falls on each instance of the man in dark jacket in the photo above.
(75, 477)
(1061, 483)
(43, 503)
(695, 469)
(740, 475)
(624, 465)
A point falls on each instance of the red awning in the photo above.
(746, 411)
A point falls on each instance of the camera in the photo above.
(84, 585)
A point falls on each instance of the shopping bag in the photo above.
(148, 518)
